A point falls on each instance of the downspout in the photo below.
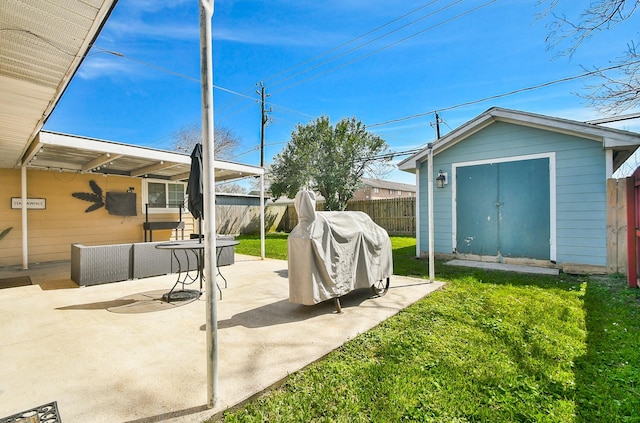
(23, 209)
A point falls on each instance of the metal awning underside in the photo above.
(69, 153)
(42, 44)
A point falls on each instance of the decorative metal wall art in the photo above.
(95, 197)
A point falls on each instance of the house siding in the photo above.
(580, 187)
(64, 221)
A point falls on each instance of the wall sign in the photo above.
(32, 203)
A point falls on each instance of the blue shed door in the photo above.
(503, 209)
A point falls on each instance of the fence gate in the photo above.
(633, 227)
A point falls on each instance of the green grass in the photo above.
(275, 245)
(490, 347)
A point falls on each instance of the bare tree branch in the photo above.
(619, 88)
(600, 15)
(225, 141)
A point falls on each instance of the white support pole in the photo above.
(417, 212)
(430, 200)
(23, 209)
(262, 210)
(209, 198)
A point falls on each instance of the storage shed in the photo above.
(519, 187)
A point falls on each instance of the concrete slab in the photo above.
(505, 267)
(115, 353)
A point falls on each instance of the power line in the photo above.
(189, 78)
(330, 51)
(241, 95)
(389, 45)
(169, 71)
(368, 42)
(493, 97)
(291, 110)
(257, 147)
(614, 119)
(344, 53)
(393, 154)
(348, 42)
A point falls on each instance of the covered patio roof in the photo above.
(70, 153)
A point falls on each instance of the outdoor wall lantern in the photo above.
(441, 179)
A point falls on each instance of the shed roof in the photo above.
(622, 143)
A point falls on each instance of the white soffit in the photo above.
(69, 153)
(42, 43)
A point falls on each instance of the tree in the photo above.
(620, 85)
(225, 141)
(326, 159)
(230, 188)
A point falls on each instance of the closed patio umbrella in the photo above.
(195, 187)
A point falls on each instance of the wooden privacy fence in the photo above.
(396, 215)
(617, 257)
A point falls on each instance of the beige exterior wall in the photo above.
(64, 221)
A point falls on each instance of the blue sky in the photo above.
(373, 60)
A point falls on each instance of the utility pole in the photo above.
(264, 120)
(436, 125)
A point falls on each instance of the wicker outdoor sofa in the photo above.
(98, 264)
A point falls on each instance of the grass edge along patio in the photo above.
(490, 346)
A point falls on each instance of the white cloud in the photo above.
(294, 37)
(157, 30)
(146, 6)
(96, 67)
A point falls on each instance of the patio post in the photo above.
(262, 211)
(23, 211)
(417, 211)
(206, 78)
(430, 200)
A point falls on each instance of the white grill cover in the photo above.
(333, 253)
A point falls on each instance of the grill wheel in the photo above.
(381, 287)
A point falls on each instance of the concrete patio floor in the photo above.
(115, 353)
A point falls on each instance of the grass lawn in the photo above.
(490, 347)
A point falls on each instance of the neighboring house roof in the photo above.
(395, 186)
(69, 153)
(622, 143)
(42, 45)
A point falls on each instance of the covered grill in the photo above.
(332, 253)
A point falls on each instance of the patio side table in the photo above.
(195, 248)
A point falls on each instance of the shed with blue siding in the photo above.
(520, 188)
